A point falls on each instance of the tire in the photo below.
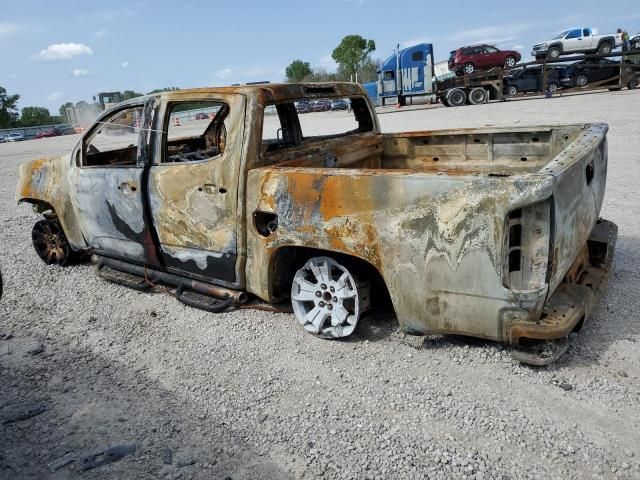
(478, 96)
(456, 97)
(581, 80)
(605, 48)
(50, 242)
(444, 101)
(633, 84)
(510, 62)
(512, 90)
(469, 68)
(554, 53)
(327, 298)
(553, 87)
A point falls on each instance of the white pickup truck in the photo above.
(576, 40)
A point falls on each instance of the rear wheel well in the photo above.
(288, 260)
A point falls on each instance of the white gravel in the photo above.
(247, 394)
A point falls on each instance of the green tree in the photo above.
(165, 89)
(297, 71)
(8, 108)
(33, 116)
(353, 53)
(128, 94)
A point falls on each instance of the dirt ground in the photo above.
(86, 365)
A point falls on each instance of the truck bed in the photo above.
(472, 230)
(489, 151)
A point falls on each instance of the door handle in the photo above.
(127, 187)
(211, 188)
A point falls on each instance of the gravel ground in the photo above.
(247, 394)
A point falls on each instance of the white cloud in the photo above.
(517, 47)
(124, 64)
(54, 96)
(8, 29)
(64, 51)
(80, 72)
(100, 33)
(224, 73)
(11, 76)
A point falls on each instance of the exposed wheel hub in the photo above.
(50, 242)
(327, 299)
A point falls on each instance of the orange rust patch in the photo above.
(343, 195)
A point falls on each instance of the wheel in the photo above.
(444, 101)
(509, 62)
(469, 68)
(552, 87)
(605, 48)
(553, 53)
(50, 242)
(456, 97)
(633, 83)
(327, 298)
(477, 96)
(512, 90)
(581, 80)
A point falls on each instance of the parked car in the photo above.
(530, 80)
(576, 40)
(321, 105)
(466, 60)
(14, 137)
(635, 41)
(51, 132)
(487, 232)
(201, 116)
(303, 107)
(339, 104)
(584, 72)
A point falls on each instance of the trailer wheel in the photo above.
(605, 48)
(581, 80)
(477, 96)
(456, 97)
(512, 90)
(469, 68)
(510, 62)
(633, 83)
(553, 53)
(327, 298)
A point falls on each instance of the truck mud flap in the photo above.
(122, 278)
(203, 302)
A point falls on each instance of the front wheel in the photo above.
(512, 90)
(469, 68)
(553, 53)
(50, 242)
(633, 84)
(581, 80)
(509, 62)
(327, 298)
(553, 87)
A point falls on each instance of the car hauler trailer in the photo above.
(411, 73)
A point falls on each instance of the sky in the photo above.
(68, 50)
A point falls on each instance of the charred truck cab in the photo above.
(224, 192)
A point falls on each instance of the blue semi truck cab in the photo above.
(407, 73)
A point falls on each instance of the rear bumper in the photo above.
(577, 295)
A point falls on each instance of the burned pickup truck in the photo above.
(224, 192)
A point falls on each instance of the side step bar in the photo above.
(190, 292)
